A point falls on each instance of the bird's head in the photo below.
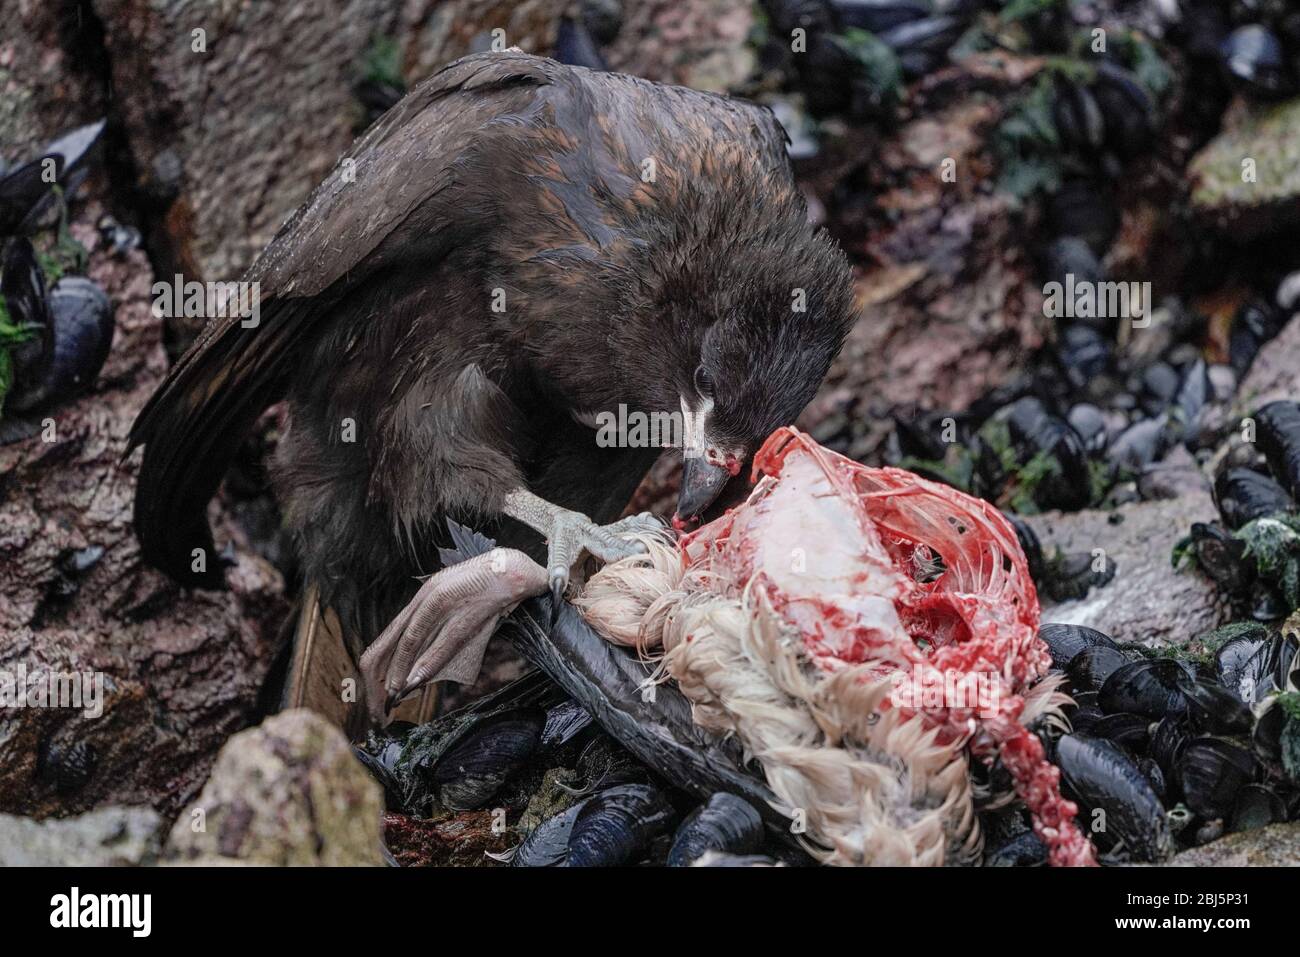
(769, 333)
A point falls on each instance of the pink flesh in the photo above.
(833, 543)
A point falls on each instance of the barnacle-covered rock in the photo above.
(105, 837)
(1265, 141)
(288, 792)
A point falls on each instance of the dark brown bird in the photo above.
(515, 248)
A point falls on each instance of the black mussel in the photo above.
(1167, 742)
(1189, 402)
(1030, 545)
(1278, 436)
(1071, 575)
(1036, 433)
(1151, 687)
(1116, 801)
(22, 287)
(879, 15)
(1092, 667)
(1085, 354)
(615, 826)
(1126, 109)
(1160, 384)
(1243, 495)
(1084, 208)
(1072, 256)
(1266, 604)
(1211, 772)
(1282, 664)
(81, 326)
(928, 434)
(602, 18)
(1090, 422)
(376, 96)
(1277, 725)
(1255, 62)
(1066, 641)
(1026, 849)
(1139, 445)
(1130, 731)
(1214, 708)
(1257, 806)
(1223, 381)
(1150, 769)
(1240, 665)
(921, 44)
(564, 722)
(575, 46)
(1288, 293)
(1222, 557)
(548, 844)
(474, 765)
(22, 189)
(813, 16)
(725, 823)
(1084, 717)
(1255, 324)
(1078, 118)
(382, 771)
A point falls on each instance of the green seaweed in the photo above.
(882, 74)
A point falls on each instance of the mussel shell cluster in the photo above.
(1253, 554)
(25, 189)
(70, 328)
(1167, 752)
(856, 49)
(503, 750)
(65, 328)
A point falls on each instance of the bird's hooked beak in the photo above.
(706, 469)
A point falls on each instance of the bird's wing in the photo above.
(395, 198)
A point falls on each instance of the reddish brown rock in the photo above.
(181, 670)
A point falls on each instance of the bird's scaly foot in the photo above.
(570, 535)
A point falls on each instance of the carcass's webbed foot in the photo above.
(442, 633)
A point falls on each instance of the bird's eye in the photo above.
(703, 382)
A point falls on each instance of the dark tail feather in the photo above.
(192, 427)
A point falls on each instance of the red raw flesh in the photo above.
(980, 615)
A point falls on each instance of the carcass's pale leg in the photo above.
(442, 633)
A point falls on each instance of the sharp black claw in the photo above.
(557, 599)
(391, 701)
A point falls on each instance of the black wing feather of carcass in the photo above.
(609, 681)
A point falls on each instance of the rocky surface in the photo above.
(228, 139)
(48, 80)
(1274, 846)
(435, 32)
(1275, 373)
(287, 793)
(1148, 600)
(180, 671)
(1269, 136)
(107, 837)
(697, 43)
